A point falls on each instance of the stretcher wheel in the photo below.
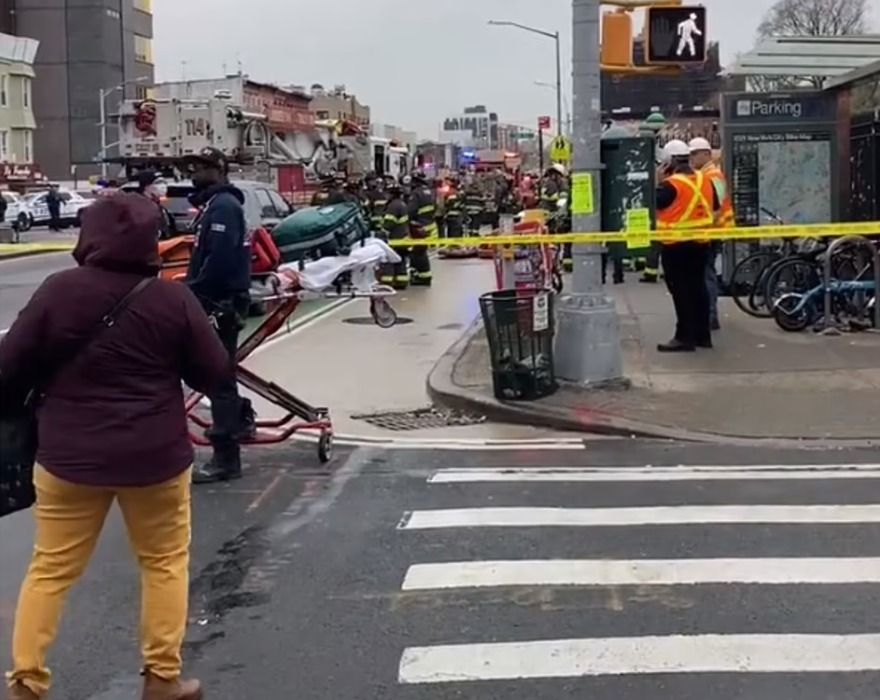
(325, 447)
(382, 312)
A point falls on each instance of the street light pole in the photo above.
(588, 334)
(558, 87)
(555, 37)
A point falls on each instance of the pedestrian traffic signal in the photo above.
(676, 35)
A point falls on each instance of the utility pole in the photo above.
(588, 333)
(102, 97)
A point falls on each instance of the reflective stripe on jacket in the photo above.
(693, 206)
(725, 217)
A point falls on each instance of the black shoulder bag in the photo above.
(18, 423)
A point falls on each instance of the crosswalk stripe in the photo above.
(760, 472)
(665, 572)
(563, 658)
(654, 515)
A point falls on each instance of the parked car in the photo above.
(17, 213)
(72, 203)
(264, 206)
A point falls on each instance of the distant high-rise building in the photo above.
(482, 123)
(86, 46)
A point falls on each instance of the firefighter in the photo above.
(701, 159)
(330, 192)
(423, 224)
(454, 210)
(686, 199)
(474, 206)
(395, 225)
(375, 201)
(553, 189)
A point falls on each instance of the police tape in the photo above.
(645, 238)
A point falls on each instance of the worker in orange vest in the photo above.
(686, 199)
(701, 159)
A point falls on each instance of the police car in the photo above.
(17, 213)
(72, 203)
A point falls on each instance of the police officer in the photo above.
(423, 224)
(220, 275)
(146, 186)
(686, 199)
(701, 159)
(396, 226)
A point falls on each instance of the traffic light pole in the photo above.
(588, 333)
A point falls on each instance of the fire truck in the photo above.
(160, 134)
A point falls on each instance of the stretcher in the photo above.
(340, 277)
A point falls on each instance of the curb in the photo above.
(33, 253)
(443, 391)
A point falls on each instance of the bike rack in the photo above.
(829, 255)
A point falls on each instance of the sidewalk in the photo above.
(358, 369)
(758, 382)
(36, 242)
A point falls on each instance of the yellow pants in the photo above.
(69, 518)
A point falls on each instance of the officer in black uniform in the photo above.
(220, 276)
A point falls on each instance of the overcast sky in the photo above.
(413, 61)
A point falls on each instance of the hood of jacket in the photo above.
(202, 197)
(120, 233)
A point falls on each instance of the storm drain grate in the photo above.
(419, 419)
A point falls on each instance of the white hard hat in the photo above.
(559, 168)
(676, 149)
(699, 144)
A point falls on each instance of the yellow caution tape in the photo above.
(740, 233)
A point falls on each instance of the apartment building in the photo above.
(86, 47)
(17, 123)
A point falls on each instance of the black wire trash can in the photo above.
(520, 325)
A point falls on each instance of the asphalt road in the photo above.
(19, 278)
(96, 656)
(314, 591)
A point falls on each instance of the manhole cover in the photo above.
(419, 419)
(368, 321)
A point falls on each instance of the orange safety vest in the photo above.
(693, 205)
(725, 217)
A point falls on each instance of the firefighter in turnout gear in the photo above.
(375, 202)
(686, 199)
(330, 192)
(395, 225)
(454, 210)
(423, 224)
(474, 207)
(553, 189)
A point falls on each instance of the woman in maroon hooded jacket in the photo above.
(112, 427)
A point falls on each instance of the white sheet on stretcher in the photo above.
(362, 263)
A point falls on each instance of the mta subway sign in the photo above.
(676, 35)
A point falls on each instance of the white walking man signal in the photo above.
(687, 30)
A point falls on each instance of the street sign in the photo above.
(560, 150)
(676, 35)
(543, 122)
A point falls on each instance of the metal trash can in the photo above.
(520, 325)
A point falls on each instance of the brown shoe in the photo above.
(19, 691)
(158, 689)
